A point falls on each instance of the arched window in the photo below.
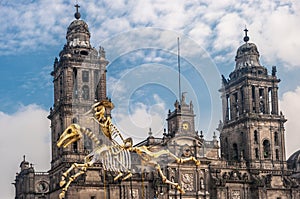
(85, 92)
(256, 153)
(228, 111)
(96, 78)
(75, 83)
(253, 100)
(60, 86)
(255, 137)
(226, 148)
(242, 136)
(261, 102)
(75, 147)
(276, 139)
(74, 120)
(277, 154)
(266, 147)
(235, 151)
(242, 100)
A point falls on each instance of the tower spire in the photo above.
(77, 14)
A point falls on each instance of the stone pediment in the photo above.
(185, 145)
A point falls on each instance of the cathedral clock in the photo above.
(42, 187)
(185, 126)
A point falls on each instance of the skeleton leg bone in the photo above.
(165, 179)
(178, 160)
(183, 160)
(83, 168)
(120, 174)
(65, 174)
(127, 176)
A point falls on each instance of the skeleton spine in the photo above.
(114, 130)
(90, 134)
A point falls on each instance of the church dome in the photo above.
(247, 54)
(247, 61)
(24, 164)
(246, 50)
(294, 161)
(78, 26)
(78, 34)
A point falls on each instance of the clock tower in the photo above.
(182, 120)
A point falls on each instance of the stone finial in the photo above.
(102, 52)
(183, 96)
(274, 70)
(150, 132)
(191, 106)
(176, 105)
(214, 136)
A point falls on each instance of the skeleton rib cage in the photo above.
(115, 159)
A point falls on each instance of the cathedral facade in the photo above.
(249, 162)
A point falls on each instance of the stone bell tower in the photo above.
(181, 121)
(79, 78)
(253, 128)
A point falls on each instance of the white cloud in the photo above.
(26, 132)
(136, 122)
(27, 26)
(291, 108)
(226, 37)
(143, 12)
(200, 32)
(218, 26)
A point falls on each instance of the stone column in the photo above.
(275, 100)
(224, 106)
(267, 107)
(248, 99)
(240, 105)
(256, 100)
(232, 107)
(265, 96)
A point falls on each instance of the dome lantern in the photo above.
(77, 14)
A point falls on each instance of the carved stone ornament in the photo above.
(235, 194)
(135, 194)
(187, 181)
(186, 151)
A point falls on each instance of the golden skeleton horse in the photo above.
(115, 157)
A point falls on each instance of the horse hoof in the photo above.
(62, 183)
(62, 195)
(180, 189)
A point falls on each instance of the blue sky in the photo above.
(140, 39)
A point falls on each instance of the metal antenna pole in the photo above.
(179, 83)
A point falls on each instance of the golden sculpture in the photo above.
(115, 157)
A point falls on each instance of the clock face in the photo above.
(42, 187)
(185, 126)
